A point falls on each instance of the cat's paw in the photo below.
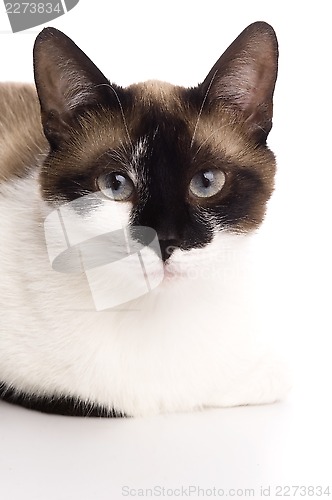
(268, 381)
(271, 383)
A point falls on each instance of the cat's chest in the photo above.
(170, 339)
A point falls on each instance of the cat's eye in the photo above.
(207, 183)
(116, 186)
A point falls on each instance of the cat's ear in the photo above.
(67, 81)
(244, 77)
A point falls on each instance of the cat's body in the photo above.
(192, 341)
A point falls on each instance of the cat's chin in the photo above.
(172, 273)
(175, 274)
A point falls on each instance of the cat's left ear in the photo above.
(67, 82)
(244, 77)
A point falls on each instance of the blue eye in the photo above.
(207, 183)
(116, 186)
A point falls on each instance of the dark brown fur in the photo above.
(221, 135)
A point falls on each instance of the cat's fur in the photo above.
(193, 341)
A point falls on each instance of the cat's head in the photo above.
(190, 163)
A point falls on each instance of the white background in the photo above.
(55, 458)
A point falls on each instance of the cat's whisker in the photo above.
(202, 107)
(122, 155)
(121, 109)
(118, 155)
(207, 139)
(100, 156)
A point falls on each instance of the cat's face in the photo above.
(190, 163)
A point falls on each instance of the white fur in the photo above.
(190, 343)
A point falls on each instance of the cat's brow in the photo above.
(202, 107)
(208, 138)
(121, 110)
(121, 155)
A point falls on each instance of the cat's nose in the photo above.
(167, 247)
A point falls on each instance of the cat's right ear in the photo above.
(67, 82)
(244, 78)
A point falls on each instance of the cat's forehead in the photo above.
(159, 111)
(157, 93)
(145, 111)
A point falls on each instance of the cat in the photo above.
(191, 164)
